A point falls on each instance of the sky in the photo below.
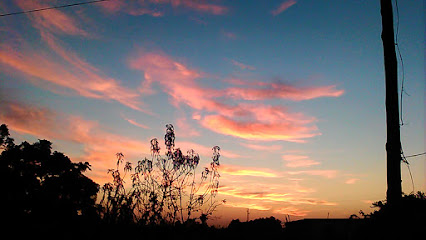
(291, 90)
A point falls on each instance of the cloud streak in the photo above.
(150, 7)
(53, 20)
(245, 171)
(283, 91)
(65, 71)
(296, 161)
(282, 7)
(242, 65)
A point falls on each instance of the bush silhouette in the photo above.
(163, 189)
(42, 187)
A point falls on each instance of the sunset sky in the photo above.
(291, 90)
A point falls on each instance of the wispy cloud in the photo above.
(242, 65)
(151, 7)
(65, 72)
(251, 206)
(229, 35)
(293, 211)
(271, 195)
(258, 130)
(54, 20)
(185, 129)
(352, 180)
(262, 147)
(283, 6)
(133, 122)
(246, 171)
(322, 173)
(264, 90)
(295, 161)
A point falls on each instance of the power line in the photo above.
(48, 8)
(415, 155)
(404, 159)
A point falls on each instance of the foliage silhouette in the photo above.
(163, 190)
(42, 187)
(403, 220)
(266, 228)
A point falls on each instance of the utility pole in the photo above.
(393, 142)
(248, 214)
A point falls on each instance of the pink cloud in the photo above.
(352, 180)
(54, 20)
(133, 122)
(283, 6)
(242, 65)
(229, 35)
(283, 91)
(200, 6)
(150, 7)
(65, 71)
(184, 129)
(295, 161)
(244, 120)
(262, 147)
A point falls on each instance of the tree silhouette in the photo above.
(41, 186)
(163, 190)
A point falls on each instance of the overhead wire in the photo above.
(415, 155)
(53, 7)
(403, 157)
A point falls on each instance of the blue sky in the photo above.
(292, 91)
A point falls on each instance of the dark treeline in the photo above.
(45, 194)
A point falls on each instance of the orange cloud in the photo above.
(292, 211)
(269, 195)
(322, 173)
(295, 161)
(251, 206)
(245, 171)
(283, 6)
(99, 146)
(256, 130)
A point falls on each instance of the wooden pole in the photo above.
(393, 142)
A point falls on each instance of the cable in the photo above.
(48, 8)
(404, 159)
(415, 155)
(402, 64)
